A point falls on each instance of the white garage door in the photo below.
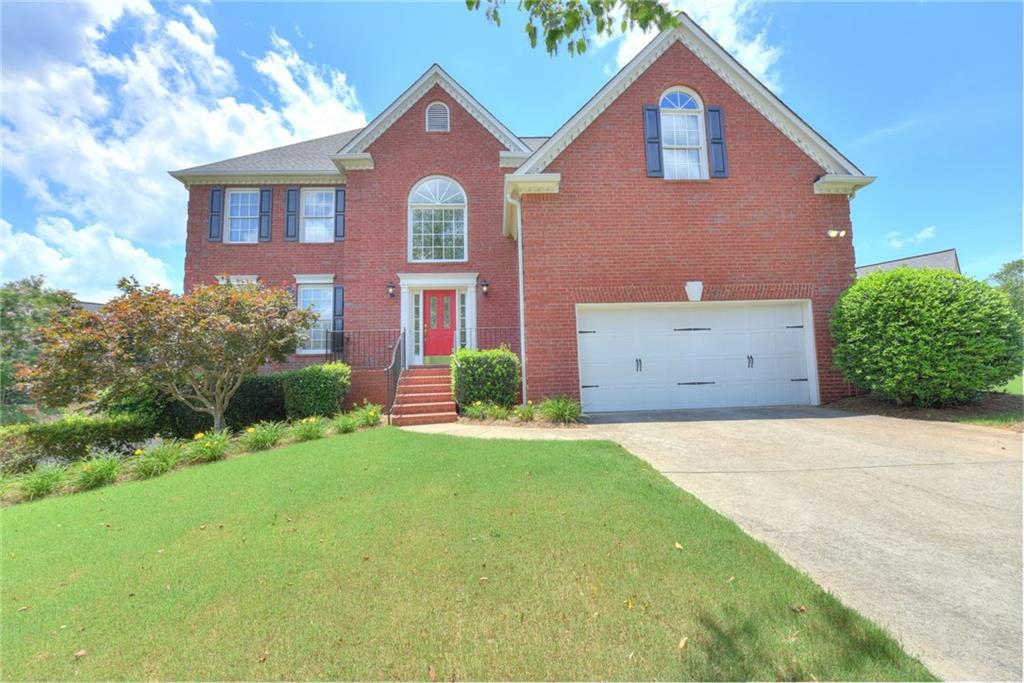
(699, 355)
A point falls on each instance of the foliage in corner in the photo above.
(485, 376)
(1010, 279)
(576, 23)
(316, 390)
(197, 347)
(926, 337)
(25, 305)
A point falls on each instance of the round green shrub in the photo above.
(925, 337)
(316, 390)
(485, 375)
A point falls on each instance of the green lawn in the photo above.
(1015, 386)
(385, 553)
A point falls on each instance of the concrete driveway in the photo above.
(917, 525)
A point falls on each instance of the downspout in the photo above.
(522, 290)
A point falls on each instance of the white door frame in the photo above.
(808, 314)
(412, 283)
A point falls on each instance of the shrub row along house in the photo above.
(677, 243)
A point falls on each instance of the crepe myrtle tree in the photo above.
(195, 347)
(575, 22)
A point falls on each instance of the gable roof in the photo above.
(728, 69)
(309, 156)
(435, 75)
(945, 259)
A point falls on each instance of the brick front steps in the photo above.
(424, 397)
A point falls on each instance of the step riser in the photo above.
(402, 409)
(416, 381)
(433, 388)
(408, 399)
(427, 419)
(426, 373)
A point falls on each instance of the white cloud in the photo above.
(896, 240)
(735, 24)
(87, 261)
(93, 130)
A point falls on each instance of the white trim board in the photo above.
(435, 75)
(728, 69)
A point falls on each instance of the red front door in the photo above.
(438, 322)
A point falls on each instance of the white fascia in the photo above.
(516, 185)
(834, 183)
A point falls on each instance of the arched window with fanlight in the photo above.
(682, 135)
(437, 221)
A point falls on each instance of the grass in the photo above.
(1014, 386)
(383, 554)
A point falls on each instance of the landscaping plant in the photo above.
(42, 481)
(209, 446)
(926, 337)
(485, 375)
(75, 435)
(345, 423)
(561, 409)
(97, 471)
(525, 412)
(262, 436)
(309, 429)
(158, 459)
(316, 390)
(368, 414)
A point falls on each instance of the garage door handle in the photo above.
(641, 360)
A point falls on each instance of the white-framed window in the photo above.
(462, 320)
(319, 298)
(242, 219)
(437, 221)
(682, 135)
(238, 280)
(438, 118)
(416, 326)
(317, 215)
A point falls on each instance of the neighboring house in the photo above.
(681, 238)
(945, 259)
(88, 306)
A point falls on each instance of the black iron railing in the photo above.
(394, 371)
(360, 349)
(488, 338)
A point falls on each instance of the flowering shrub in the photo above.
(524, 413)
(98, 471)
(262, 436)
(368, 414)
(309, 428)
(156, 460)
(345, 423)
(561, 409)
(209, 446)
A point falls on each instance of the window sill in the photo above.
(239, 244)
(438, 261)
(306, 352)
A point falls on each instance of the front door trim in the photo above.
(411, 283)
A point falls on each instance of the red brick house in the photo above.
(679, 242)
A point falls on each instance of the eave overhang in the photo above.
(834, 183)
(268, 177)
(516, 185)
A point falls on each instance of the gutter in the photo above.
(522, 290)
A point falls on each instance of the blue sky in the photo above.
(100, 100)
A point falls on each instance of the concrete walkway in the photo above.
(917, 525)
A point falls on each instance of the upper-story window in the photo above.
(317, 224)
(437, 118)
(682, 135)
(243, 216)
(437, 221)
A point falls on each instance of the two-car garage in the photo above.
(668, 356)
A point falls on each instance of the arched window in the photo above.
(437, 221)
(437, 117)
(682, 134)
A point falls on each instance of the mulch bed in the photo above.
(990, 403)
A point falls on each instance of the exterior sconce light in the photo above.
(391, 290)
(485, 286)
(694, 290)
(833, 232)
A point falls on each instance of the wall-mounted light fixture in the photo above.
(485, 286)
(833, 232)
(391, 290)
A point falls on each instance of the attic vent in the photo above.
(437, 117)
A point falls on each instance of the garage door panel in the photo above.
(692, 356)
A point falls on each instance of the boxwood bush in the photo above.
(925, 337)
(487, 376)
(316, 390)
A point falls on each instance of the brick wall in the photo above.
(612, 234)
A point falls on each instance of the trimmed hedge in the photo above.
(316, 390)
(488, 376)
(926, 337)
(72, 437)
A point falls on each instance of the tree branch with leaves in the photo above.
(196, 347)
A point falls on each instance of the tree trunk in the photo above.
(218, 420)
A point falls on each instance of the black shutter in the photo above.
(718, 166)
(652, 141)
(338, 327)
(266, 202)
(339, 214)
(291, 221)
(216, 213)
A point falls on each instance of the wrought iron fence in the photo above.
(488, 338)
(360, 349)
(394, 371)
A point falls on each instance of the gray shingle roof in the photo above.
(945, 259)
(300, 157)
